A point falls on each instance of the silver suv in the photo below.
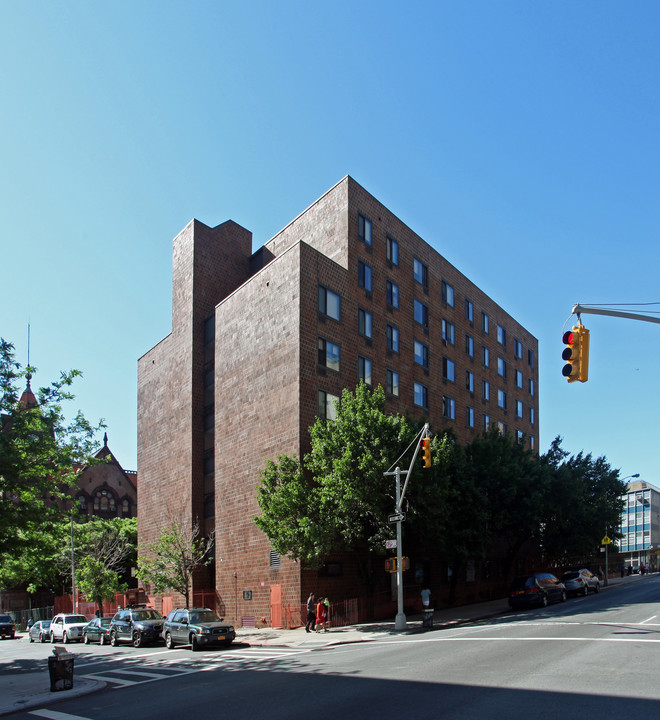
(67, 626)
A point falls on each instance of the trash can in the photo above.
(427, 620)
(60, 669)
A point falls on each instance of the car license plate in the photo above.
(220, 637)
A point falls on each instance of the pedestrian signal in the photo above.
(390, 565)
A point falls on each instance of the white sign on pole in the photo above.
(390, 544)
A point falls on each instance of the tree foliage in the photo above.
(40, 452)
(338, 497)
(170, 561)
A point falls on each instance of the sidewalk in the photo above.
(24, 690)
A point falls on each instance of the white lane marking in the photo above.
(649, 620)
(54, 715)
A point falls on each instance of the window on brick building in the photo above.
(329, 303)
(502, 427)
(485, 390)
(531, 386)
(421, 314)
(448, 332)
(448, 408)
(469, 311)
(469, 381)
(393, 338)
(501, 336)
(364, 370)
(392, 290)
(393, 383)
(517, 349)
(469, 345)
(531, 416)
(364, 275)
(469, 417)
(365, 323)
(519, 379)
(421, 395)
(485, 422)
(421, 354)
(501, 367)
(501, 399)
(519, 408)
(327, 405)
(328, 354)
(421, 273)
(364, 230)
(392, 251)
(485, 323)
(520, 437)
(447, 294)
(530, 358)
(485, 356)
(448, 369)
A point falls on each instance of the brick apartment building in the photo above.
(263, 342)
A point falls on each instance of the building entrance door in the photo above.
(276, 606)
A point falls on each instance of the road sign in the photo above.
(397, 517)
(390, 544)
(605, 541)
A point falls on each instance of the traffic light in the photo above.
(576, 354)
(390, 565)
(426, 452)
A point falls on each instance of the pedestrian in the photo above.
(623, 570)
(311, 612)
(426, 597)
(320, 615)
(326, 602)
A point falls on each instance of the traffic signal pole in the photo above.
(400, 620)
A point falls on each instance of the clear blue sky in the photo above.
(519, 139)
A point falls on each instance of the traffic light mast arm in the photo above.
(589, 310)
(424, 433)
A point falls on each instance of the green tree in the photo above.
(104, 552)
(339, 497)
(585, 500)
(170, 561)
(40, 452)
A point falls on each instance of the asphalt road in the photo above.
(588, 658)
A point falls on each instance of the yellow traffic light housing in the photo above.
(390, 565)
(576, 354)
(426, 452)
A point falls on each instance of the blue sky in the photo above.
(519, 139)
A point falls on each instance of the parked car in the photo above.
(40, 631)
(137, 624)
(579, 582)
(7, 626)
(196, 627)
(536, 589)
(97, 630)
(67, 626)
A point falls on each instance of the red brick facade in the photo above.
(217, 397)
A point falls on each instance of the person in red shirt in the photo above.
(321, 616)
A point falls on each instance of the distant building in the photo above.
(640, 525)
(262, 343)
(105, 489)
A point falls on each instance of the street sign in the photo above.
(397, 517)
(390, 544)
(605, 541)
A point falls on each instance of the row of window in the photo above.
(421, 276)
(327, 407)
(329, 306)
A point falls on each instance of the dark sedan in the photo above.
(97, 630)
(536, 589)
(7, 626)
